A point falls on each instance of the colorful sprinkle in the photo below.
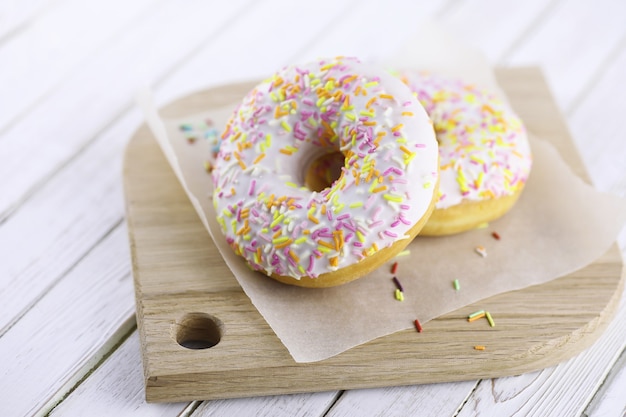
(490, 319)
(495, 235)
(456, 284)
(399, 295)
(418, 326)
(479, 347)
(397, 282)
(481, 251)
(394, 267)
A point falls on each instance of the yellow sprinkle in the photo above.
(490, 319)
(360, 236)
(407, 113)
(280, 240)
(227, 213)
(356, 204)
(399, 295)
(397, 127)
(479, 347)
(387, 96)
(371, 84)
(285, 125)
(403, 253)
(277, 220)
(284, 244)
(323, 249)
(291, 184)
(300, 240)
(394, 198)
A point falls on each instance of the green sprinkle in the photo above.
(478, 313)
(490, 319)
(457, 286)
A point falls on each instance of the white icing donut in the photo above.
(387, 183)
(484, 152)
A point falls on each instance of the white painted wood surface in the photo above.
(68, 70)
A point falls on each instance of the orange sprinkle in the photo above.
(369, 123)
(397, 127)
(323, 210)
(286, 151)
(294, 256)
(313, 219)
(387, 96)
(379, 189)
(405, 150)
(476, 317)
(479, 347)
(284, 244)
(258, 159)
(407, 113)
(370, 102)
(334, 261)
(326, 244)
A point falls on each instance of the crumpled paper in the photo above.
(559, 225)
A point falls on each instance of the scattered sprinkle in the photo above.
(495, 235)
(399, 295)
(456, 284)
(418, 326)
(479, 347)
(397, 282)
(490, 319)
(403, 253)
(478, 313)
(481, 251)
(482, 226)
(394, 267)
(474, 318)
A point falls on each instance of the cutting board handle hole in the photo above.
(198, 331)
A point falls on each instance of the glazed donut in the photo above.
(484, 153)
(385, 191)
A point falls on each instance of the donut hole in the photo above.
(323, 171)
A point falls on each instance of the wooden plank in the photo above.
(598, 118)
(175, 373)
(73, 326)
(443, 399)
(563, 390)
(115, 389)
(15, 14)
(569, 56)
(609, 400)
(493, 26)
(59, 225)
(31, 75)
(82, 107)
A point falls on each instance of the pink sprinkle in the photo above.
(376, 223)
(420, 145)
(390, 234)
(311, 263)
(377, 212)
(316, 252)
(405, 207)
(358, 244)
(406, 103)
(276, 228)
(396, 223)
(348, 237)
(252, 185)
(343, 216)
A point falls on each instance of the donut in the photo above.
(330, 231)
(484, 153)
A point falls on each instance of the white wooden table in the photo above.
(68, 72)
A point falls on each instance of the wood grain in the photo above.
(175, 274)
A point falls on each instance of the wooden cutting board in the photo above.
(186, 295)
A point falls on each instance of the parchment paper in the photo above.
(559, 225)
